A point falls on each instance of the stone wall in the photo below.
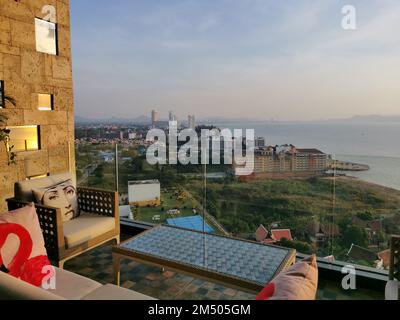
(26, 73)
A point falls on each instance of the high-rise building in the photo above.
(191, 122)
(154, 119)
(35, 70)
(172, 116)
(144, 193)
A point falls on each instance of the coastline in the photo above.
(364, 183)
(383, 171)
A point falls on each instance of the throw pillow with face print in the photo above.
(63, 196)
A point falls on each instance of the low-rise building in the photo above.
(144, 193)
(287, 161)
(107, 156)
(372, 227)
(261, 233)
(320, 232)
(357, 253)
(279, 234)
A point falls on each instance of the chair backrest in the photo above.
(23, 189)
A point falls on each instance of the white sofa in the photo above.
(69, 286)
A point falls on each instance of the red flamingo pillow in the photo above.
(22, 251)
(299, 282)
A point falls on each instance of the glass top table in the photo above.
(233, 262)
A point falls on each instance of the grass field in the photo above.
(294, 204)
(169, 201)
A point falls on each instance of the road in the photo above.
(87, 172)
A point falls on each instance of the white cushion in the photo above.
(23, 189)
(63, 196)
(27, 218)
(392, 290)
(86, 227)
(112, 292)
(15, 289)
(72, 286)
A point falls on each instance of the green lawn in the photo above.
(169, 201)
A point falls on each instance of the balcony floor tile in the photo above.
(97, 265)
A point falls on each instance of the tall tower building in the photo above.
(36, 72)
(172, 116)
(191, 122)
(154, 119)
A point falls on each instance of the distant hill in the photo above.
(354, 119)
(375, 118)
(146, 120)
(79, 119)
(360, 119)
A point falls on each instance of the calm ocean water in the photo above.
(374, 144)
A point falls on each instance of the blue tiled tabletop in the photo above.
(245, 260)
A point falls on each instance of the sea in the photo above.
(376, 144)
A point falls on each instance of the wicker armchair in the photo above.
(392, 287)
(95, 202)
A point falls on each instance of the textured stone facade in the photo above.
(26, 73)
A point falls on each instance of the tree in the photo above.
(212, 209)
(224, 206)
(137, 163)
(136, 213)
(99, 172)
(354, 235)
(366, 216)
(300, 246)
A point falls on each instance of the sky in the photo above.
(247, 59)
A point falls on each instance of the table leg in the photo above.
(117, 269)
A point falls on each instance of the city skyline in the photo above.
(245, 59)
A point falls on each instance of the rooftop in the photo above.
(131, 183)
(279, 234)
(312, 151)
(360, 253)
